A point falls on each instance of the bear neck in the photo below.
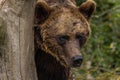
(48, 68)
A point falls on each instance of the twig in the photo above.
(108, 11)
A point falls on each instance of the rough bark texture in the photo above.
(17, 54)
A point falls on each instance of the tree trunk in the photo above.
(16, 40)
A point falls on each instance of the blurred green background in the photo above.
(102, 51)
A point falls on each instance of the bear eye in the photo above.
(61, 39)
(81, 38)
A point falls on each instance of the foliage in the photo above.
(103, 48)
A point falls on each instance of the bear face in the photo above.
(63, 30)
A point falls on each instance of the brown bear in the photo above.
(61, 29)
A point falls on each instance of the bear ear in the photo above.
(42, 12)
(87, 8)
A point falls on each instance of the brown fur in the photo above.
(52, 59)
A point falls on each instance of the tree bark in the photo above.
(17, 52)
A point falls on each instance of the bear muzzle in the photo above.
(73, 53)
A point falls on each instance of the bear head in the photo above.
(63, 28)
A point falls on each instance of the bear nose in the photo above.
(77, 61)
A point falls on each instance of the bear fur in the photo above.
(61, 29)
